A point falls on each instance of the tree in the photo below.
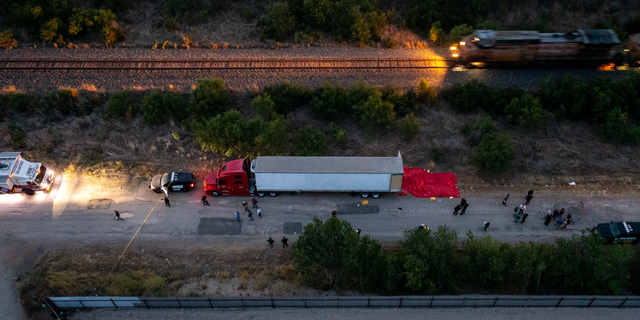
(409, 127)
(459, 31)
(287, 97)
(327, 252)
(280, 22)
(310, 142)
(328, 101)
(223, 133)
(494, 154)
(615, 125)
(338, 135)
(488, 262)
(274, 139)
(263, 105)
(208, 99)
(370, 263)
(437, 35)
(526, 112)
(426, 93)
(122, 104)
(159, 106)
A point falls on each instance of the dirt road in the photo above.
(80, 211)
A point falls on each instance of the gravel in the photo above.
(238, 79)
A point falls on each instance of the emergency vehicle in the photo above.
(18, 175)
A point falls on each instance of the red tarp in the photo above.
(423, 184)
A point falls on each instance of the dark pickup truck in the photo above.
(173, 181)
(620, 231)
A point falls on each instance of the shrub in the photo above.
(17, 137)
(208, 99)
(407, 103)
(374, 112)
(7, 41)
(437, 154)
(426, 93)
(223, 133)
(437, 35)
(159, 106)
(247, 14)
(122, 104)
(359, 92)
(310, 142)
(485, 125)
(390, 42)
(328, 102)
(471, 96)
(409, 127)
(361, 33)
(338, 135)
(288, 97)
(280, 22)
(503, 98)
(489, 25)
(494, 154)
(170, 24)
(274, 139)
(61, 103)
(263, 105)
(615, 125)
(21, 103)
(526, 112)
(459, 31)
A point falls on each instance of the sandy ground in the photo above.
(366, 314)
(79, 211)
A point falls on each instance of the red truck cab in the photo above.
(232, 179)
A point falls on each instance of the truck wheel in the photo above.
(364, 195)
(260, 194)
(158, 190)
(28, 191)
(215, 193)
(273, 194)
(375, 195)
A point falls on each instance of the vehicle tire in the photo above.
(215, 193)
(260, 194)
(273, 194)
(375, 195)
(364, 195)
(157, 190)
(28, 191)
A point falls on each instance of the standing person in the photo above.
(270, 241)
(504, 201)
(250, 216)
(204, 201)
(547, 219)
(358, 231)
(254, 202)
(529, 196)
(166, 202)
(559, 223)
(464, 208)
(245, 205)
(334, 214)
(522, 208)
(568, 220)
(237, 216)
(561, 213)
(565, 224)
(517, 217)
(117, 215)
(463, 201)
(486, 225)
(524, 217)
(284, 242)
(421, 227)
(259, 213)
(456, 209)
(556, 213)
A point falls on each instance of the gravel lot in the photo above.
(365, 314)
(184, 80)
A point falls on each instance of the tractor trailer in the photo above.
(368, 176)
(18, 175)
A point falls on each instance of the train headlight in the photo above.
(455, 55)
(462, 43)
(454, 48)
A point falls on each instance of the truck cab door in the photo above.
(224, 187)
(239, 186)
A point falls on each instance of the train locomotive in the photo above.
(489, 48)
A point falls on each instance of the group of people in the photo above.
(254, 202)
(556, 216)
(284, 242)
(463, 205)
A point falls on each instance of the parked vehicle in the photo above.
(620, 231)
(18, 175)
(173, 181)
(369, 176)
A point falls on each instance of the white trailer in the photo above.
(19, 175)
(365, 175)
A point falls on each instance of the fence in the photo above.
(350, 302)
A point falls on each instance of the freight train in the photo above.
(489, 48)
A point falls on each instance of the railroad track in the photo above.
(267, 64)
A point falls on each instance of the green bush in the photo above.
(328, 102)
(21, 103)
(407, 103)
(279, 23)
(487, 260)
(374, 113)
(17, 137)
(274, 140)
(437, 154)
(459, 31)
(361, 31)
(489, 25)
(208, 99)
(62, 102)
(338, 135)
(7, 40)
(223, 133)
(390, 43)
(485, 125)
(526, 112)
(615, 125)
(159, 106)
(437, 35)
(310, 142)
(503, 98)
(471, 96)
(409, 127)
(288, 97)
(494, 154)
(122, 104)
(426, 93)
(263, 105)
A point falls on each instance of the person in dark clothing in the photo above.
(204, 201)
(250, 215)
(464, 208)
(561, 213)
(117, 215)
(556, 213)
(245, 205)
(504, 201)
(486, 225)
(254, 202)
(463, 201)
(524, 217)
(270, 241)
(421, 227)
(237, 215)
(284, 242)
(529, 196)
(456, 209)
(548, 219)
(568, 220)
(358, 231)
(334, 214)
(166, 202)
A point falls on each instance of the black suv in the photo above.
(620, 231)
(173, 181)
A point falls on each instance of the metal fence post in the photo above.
(210, 304)
(431, 304)
(526, 304)
(400, 306)
(145, 303)
(82, 304)
(369, 302)
(623, 302)
(592, 300)
(242, 301)
(496, 302)
(179, 305)
(272, 304)
(559, 302)
(114, 304)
